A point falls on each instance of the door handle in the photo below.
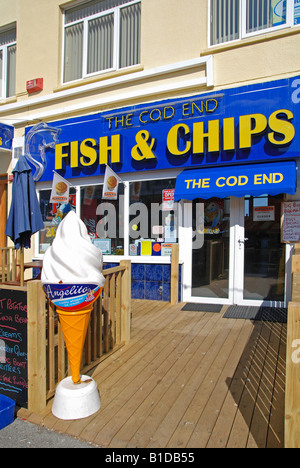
(242, 241)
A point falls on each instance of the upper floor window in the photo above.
(237, 19)
(101, 36)
(8, 50)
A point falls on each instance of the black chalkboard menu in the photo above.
(13, 345)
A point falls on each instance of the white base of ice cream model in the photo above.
(76, 401)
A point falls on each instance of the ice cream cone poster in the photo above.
(60, 189)
(72, 297)
(111, 183)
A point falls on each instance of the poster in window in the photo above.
(104, 245)
(168, 199)
(264, 213)
(290, 222)
(146, 247)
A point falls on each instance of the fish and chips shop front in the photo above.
(209, 172)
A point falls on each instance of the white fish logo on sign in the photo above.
(40, 138)
(280, 9)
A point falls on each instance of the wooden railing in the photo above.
(292, 383)
(11, 265)
(108, 330)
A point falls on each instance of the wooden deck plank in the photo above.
(227, 413)
(201, 413)
(133, 356)
(153, 366)
(276, 422)
(260, 421)
(208, 351)
(227, 361)
(187, 379)
(144, 396)
(121, 370)
(250, 386)
(138, 427)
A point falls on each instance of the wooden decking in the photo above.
(187, 379)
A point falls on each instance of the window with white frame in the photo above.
(8, 50)
(237, 19)
(101, 36)
(145, 207)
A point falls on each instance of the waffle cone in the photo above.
(74, 327)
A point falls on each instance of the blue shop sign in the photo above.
(248, 124)
(6, 136)
(238, 181)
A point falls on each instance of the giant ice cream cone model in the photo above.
(74, 303)
(74, 326)
(72, 279)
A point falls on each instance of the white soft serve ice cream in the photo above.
(72, 257)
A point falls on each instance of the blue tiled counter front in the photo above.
(151, 281)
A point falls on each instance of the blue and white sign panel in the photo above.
(252, 179)
(249, 124)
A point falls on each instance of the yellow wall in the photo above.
(38, 41)
(259, 59)
(172, 31)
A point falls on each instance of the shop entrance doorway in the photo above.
(211, 251)
(236, 253)
(260, 255)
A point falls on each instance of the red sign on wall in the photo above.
(32, 86)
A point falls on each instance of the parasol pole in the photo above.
(22, 265)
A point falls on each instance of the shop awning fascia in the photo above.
(237, 181)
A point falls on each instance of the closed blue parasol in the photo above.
(25, 215)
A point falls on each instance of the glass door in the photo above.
(209, 263)
(260, 255)
(233, 252)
